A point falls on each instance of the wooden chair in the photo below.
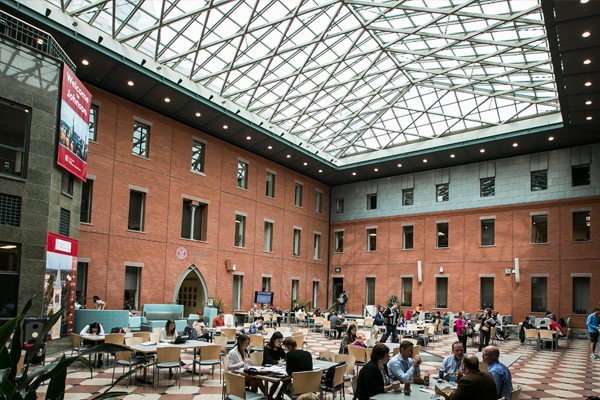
(132, 341)
(305, 382)
(338, 382)
(516, 393)
(369, 322)
(256, 358)
(413, 341)
(156, 330)
(77, 347)
(155, 337)
(229, 333)
(124, 359)
(531, 335)
(349, 360)
(395, 351)
(283, 329)
(327, 354)
(167, 357)
(548, 336)
(257, 342)
(318, 324)
(144, 335)
(19, 373)
(235, 388)
(359, 354)
(222, 342)
(209, 356)
(327, 329)
(416, 350)
(114, 338)
(565, 338)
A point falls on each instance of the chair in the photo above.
(413, 341)
(19, 373)
(256, 358)
(268, 320)
(359, 354)
(327, 354)
(156, 330)
(305, 382)
(235, 388)
(416, 350)
(124, 359)
(548, 336)
(568, 322)
(338, 382)
(516, 393)
(327, 328)
(77, 346)
(531, 335)
(565, 338)
(369, 322)
(114, 338)
(167, 357)
(132, 341)
(283, 329)
(222, 342)
(483, 366)
(155, 337)
(318, 323)
(350, 361)
(144, 335)
(209, 356)
(396, 351)
(229, 333)
(256, 342)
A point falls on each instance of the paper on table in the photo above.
(148, 343)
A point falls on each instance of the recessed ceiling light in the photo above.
(198, 114)
(167, 100)
(585, 34)
(305, 164)
(354, 173)
(452, 156)
(26, 110)
(588, 84)
(225, 127)
(588, 61)
(248, 137)
(589, 118)
(8, 246)
(482, 150)
(376, 169)
(320, 170)
(399, 165)
(551, 138)
(289, 156)
(85, 62)
(515, 144)
(424, 160)
(583, 1)
(270, 147)
(587, 103)
(130, 83)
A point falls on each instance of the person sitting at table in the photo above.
(378, 322)
(419, 308)
(555, 326)
(415, 317)
(526, 325)
(93, 329)
(200, 330)
(279, 314)
(475, 384)
(318, 312)
(336, 324)
(235, 361)
(296, 360)
(499, 372)
(349, 338)
(99, 304)
(402, 367)
(219, 320)
(273, 354)
(168, 334)
(257, 327)
(452, 364)
(446, 320)
(373, 378)
(401, 322)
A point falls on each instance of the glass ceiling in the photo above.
(349, 76)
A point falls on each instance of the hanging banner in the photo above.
(59, 282)
(74, 124)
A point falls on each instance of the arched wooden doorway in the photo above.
(191, 291)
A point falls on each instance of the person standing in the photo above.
(592, 324)
(99, 304)
(344, 301)
(461, 329)
(391, 317)
(484, 328)
(499, 372)
(475, 384)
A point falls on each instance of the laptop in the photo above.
(181, 339)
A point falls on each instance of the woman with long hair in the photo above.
(373, 378)
(485, 329)
(274, 354)
(235, 361)
(461, 329)
(168, 334)
(349, 339)
(93, 329)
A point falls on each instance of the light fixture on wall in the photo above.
(441, 270)
(419, 272)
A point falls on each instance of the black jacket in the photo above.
(298, 361)
(370, 381)
(389, 314)
(272, 356)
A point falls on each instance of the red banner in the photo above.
(74, 125)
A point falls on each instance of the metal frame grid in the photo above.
(349, 76)
(10, 210)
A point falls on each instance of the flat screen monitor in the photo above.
(263, 297)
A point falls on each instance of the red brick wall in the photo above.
(465, 259)
(166, 175)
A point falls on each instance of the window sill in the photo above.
(318, 212)
(270, 197)
(131, 230)
(487, 245)
(16, 178)
(538, 312)
(316, 259)
(339, 212)
(67, 194)
(581, 241)
(441, 308)
(138, 156)
(193, 240)
(296, 205)
(241, 188)
(86, 223)
(371, 251)
(294, 255)
(535, 244)
(92, 141)
(408, 249)
(239, 247)
(442, 248)
(270, 252)
(338, 252)
(197, 172)
(579, 315)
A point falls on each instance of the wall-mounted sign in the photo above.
(338, 270)
(181, 253)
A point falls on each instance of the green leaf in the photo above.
(45, 329)
(105, 348)
(114, 395)
(56, 388)
(133, 371)
(58, 367)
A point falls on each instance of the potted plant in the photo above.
(392, 298)
(219, 304)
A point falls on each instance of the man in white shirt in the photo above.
(452, 363)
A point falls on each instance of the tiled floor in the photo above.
(563, 374)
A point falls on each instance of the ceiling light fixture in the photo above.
(424, 160)
(248, 137)
(452, 156)
(305, 164)
(589, 118)
(354, 173)
(85, 62)
(320, 170)
(269, 147)
(8, 246)
(482, 150)
(289, 156)
(585, 34)
(225, 127)
(198, 114)
(130, 83)
(515, 144)
(167, 100)
(588, 84)
(587, 103)
(399, 165)
(584, 1)
(376, 170)
(588, 61)
(551, 138)
(40, 41)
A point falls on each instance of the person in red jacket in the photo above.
(218, 320)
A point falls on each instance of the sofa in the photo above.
(156, 316)
(107, 318)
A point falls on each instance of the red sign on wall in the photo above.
(74, 125)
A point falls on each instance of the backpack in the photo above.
(454, 328)
(118, 330)
(191, 332)
(328, 380)
(345, 298)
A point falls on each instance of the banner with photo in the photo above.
(59, 282)
(74, 125)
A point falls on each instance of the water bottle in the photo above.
(246, 364)
(452, 379)
(441, 374)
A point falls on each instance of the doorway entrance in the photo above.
(190, 291)
(338, 287)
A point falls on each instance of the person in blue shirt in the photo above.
(452, 363)
(592, 323)
(378, 322)
(256, 327)
(499, 371)
(402, 367)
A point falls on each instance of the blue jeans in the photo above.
(390, 330)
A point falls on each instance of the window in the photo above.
(66, 183)
(236, 304)
(10, 254)
(141, 139)
(581, 295)
(132, 287)
(10, 210)
(487, 187)
(441, 292)
(64, 222)
(407, 237)
(297, 234)
(198, 156)
(581, 226)
(81, 283)
(370, 292)
(406, 292)
(442, 192)
(240, 230)
(371, 202)
(298, 195)
(295, 284)
(317, 248)
(266, 284)
(315, 294)
(242, 175)
(486, 293)
(372, 239)
(137, 201)
(87, 189)
(193, 220)
(539, 288)
(339, 206)
(318, 201)
(408, 197)
(488, 227)
(268, 237)
(580, 175)
(539, 229)
(93, 122)
(339, 242)
(270, 185)
(442, 235)
(539, 180)
(14, 140)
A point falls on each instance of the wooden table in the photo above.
(99, 338)
(212, 331)
(415, 394)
